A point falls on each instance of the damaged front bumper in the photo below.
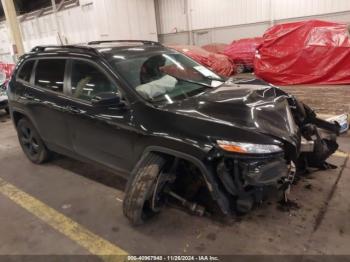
(238, 173)
(249, 179)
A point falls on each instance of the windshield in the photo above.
(166, 77)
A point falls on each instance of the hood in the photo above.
(251, 108)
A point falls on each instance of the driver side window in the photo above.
(88, 81)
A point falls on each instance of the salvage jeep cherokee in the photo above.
(176, 130)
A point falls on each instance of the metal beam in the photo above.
(11, 19)
(60, 5)
(54, 9)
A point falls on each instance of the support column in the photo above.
(54, 10)
(12, 22)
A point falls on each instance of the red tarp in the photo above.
(7, 69)
(219, 63)
(243, 51)
(217, 48)
(308, 52)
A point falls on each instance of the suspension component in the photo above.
(289, 180)
(193, 207)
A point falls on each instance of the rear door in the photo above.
(46, 102)
(102, 134)
(19, 83)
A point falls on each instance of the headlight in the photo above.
(248, 148)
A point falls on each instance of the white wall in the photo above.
(5, 54)
(211, 13)
(172, 16)
(102, 19)
(208, 21)
(125, 19)
(206, 14)
(298, 8)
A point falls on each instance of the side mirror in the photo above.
(106, 99)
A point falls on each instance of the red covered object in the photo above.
(7, 69)
(242, 51)
(308, 52)
(217, 48)
(219, 63)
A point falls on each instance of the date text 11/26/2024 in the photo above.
(173, 258)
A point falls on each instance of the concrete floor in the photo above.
(92, 197)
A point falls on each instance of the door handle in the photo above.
(73, 109)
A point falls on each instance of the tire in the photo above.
(7, 110)
(32, 144)
(139, 190)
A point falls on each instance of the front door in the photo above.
(101, 134)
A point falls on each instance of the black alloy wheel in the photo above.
(31, 142)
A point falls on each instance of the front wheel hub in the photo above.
(159, 192)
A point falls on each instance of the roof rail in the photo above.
(144, 42)
(42, 48)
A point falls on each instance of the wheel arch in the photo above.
(207, 173)
(17, 114)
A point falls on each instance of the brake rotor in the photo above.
(159, 194)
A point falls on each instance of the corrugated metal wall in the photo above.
(298, 8)
(210, 13)
(5, 54)
(172, 16)
(126, 19)
(206, 14)
(93, 20)
(136, 19)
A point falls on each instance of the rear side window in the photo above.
(49, 74)
(26, 71)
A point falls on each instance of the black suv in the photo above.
(176, 130)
